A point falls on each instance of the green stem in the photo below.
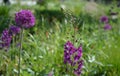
(13, 52)
(74, 35)
(21, 39)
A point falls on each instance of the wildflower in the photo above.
(79, 54)
(6, 39)
(24, 19)
(107, 27)
(104, 19)
(78, 70)
(73, 56)
(69, 49)
(14, 30)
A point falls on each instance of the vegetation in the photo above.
(56, 23)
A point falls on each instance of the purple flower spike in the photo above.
(6, 39)
(80, 64)
(107, 27)
(73, 56)
(25, 19)
(14, 30)
(69, 49)
(80, 51)
(104, 19)
(78, 70)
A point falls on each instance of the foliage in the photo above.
(43, 45)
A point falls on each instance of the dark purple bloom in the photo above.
(77, 71)
(14, 30)
(107, 27)
(78, 54)
(25, 19)
(79, 51)
(104, 19)
(80, 64)
(6, 39)
(73, 56)
(69, 49)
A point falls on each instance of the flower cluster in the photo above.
(7, 35)
(105, 20)
(107, 27)
(14, 30)
(73, 56)
(24, 19)
(6, 39)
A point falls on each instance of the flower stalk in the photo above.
(19, 60)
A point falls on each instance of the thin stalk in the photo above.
(21, 39)
(74, 35)
(13, 57)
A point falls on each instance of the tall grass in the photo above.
(43, 45)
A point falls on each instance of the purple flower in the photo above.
(104, 19)
(79, 53)
(6, 39)
(73, 56)
(14, 30)
(69, 49)
(77, 71)
(25, 19)
(107, 27)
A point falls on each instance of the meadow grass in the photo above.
(43, 45)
